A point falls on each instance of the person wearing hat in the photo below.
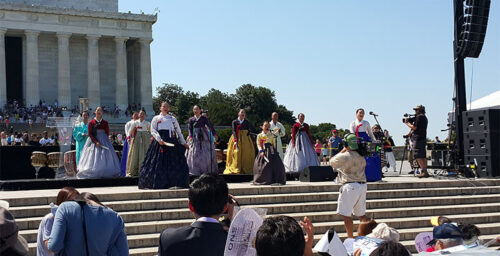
(445, 236)
(334, 142)
(351, 175)
(419, 131)
(11, 243)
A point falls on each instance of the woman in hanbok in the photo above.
(165, 165)
(268, 167)
(300, 151)
(140, 138)
(201, 154)
(240, 149)
(278, 131)
(126, 144)
(98, 158)
(364, 132)
(80, 134)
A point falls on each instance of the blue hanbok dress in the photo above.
(372, 169)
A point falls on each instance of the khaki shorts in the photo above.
(352, 199)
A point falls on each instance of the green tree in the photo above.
(285, 116)
(220, 106)
(321, 131)
(168, 93)
(184, 105)
(259, 102)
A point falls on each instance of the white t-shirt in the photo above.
(44, 231)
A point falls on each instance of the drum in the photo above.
(38, 159)
(70, 163)
(53, 160)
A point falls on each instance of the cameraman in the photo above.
(351, 175)
(419, 131)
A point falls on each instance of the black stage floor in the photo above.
(31, 184)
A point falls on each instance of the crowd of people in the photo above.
(79, 224)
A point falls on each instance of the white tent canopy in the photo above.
(490, 101)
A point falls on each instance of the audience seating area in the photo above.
(403, 203)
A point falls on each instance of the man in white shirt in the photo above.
(278, 131)
(351, 174)
(46, 141)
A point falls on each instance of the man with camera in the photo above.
(351, 174)
(419, 130)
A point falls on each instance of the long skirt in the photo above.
(240, 159)
(201, 154)
(97, 162)
(123, 164)
(164, 166)
(268, 169)
(372, 170)
(138, 147)
(79, 148)
(301, 155)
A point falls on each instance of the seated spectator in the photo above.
(104, 229)
(470, 233)
(45, 227)
(208, 197)
(46, 141)
(283, 236)
(4, 140)
(11, 243)
(366, 228)
(445, 236)
(390, 248)
(384, 232)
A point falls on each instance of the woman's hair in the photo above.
(301, 114)
(366, 228)
(66, 194)
(360, 109)
(390, 248)
(83, 112)
(264, 124)
(86, 196)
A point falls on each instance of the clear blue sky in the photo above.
(324, 58)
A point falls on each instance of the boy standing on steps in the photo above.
(351, 174)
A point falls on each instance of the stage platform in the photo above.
(33, 184)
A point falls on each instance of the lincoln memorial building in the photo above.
(63, 50)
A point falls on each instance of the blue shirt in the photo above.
(105, 231)
(334, 143)
(44, 231)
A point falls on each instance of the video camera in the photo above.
(409, 118)
(368, 149)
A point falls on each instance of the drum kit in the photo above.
(62, 169)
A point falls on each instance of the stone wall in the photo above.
(47, 66)
(94, 5)
(107, 70)
(78, 68)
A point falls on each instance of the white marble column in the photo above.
(121, 73)
(146, 86)
(3, 72)
(94, 88)
(63, 74)
(32, 90)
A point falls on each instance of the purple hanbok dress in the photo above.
(201, 154)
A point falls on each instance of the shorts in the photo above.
(352, 199)
(318, 153)
(420, 150)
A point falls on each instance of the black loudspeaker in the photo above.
(487, 120)
(486, 165)
(317, 173)
(473, 30)
(482, 143)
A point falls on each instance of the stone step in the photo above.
(172, 203)
(44, 197)
(325, 220)
(179, 213)
(183, 213)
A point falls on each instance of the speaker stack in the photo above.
(317, 174)
(482, 141)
